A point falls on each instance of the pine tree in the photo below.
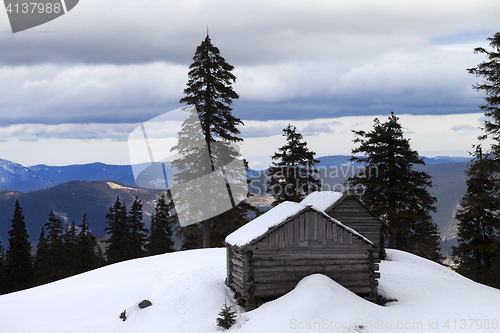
(86, 248)
(160, 239)
(2, 270)
(69, 250)
(394, 190)
(478, 250)
(226, 317)
(137, 231)
(118, 231)
(292, 174)
(19, 272)
(192, 237)
(489, 72)
(477, 220)
(209, 88)
(42, 262)
(55, 249)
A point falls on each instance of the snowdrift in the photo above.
(187, 291)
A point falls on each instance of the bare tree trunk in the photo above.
(206, 234)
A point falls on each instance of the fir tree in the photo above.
(69, 250)
(118, 231)
(160, 240)
(54, 260)
(19, 272)
(86, 248)
(477, 220)
(2, 270)
(226, 317)
(489, 72)
(192, 237)
(209, 88)
(292, 174)
(137, 231)
(42, 262)
(478, 250)
(394, 190)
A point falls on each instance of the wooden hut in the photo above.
(350, 211)
(268, 256)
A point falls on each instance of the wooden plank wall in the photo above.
(308, 229)
(276, 272)
(353, 214)
(306, 245)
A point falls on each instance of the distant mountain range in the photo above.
(69, 201)
(70, 191)
(14, 176)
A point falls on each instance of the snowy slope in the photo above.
(187, 291)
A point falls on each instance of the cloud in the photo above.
(314, 128)
(35, 132)
(463, 127)
(262, 130)
(293, 60)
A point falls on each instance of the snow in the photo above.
(322, 200)
(261, 224)
(187, 292)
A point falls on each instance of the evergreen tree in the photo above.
(2, 270)
(292, 174)
(478, 218)
(118, 231)
(209, 88)
(478, 250)
(160, 240)
(394, 190)
(192, 237)
(86, 248)
(69, 250)
(137, 231)
(42, 262)
(226, 317)
(55, 249)
(489, 72)
(19, 272)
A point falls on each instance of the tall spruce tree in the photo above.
(19, 273)
(394, 190)
(50, 257)
(118, 231)
(69, 250)
(478, 250)
(489, 71)
(2, 270)
(162, 224)
(42, 262)
(137, 231)
(477, 217)
(86, 248)
(209, 88)
(292, 175)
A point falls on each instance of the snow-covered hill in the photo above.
(187, 291)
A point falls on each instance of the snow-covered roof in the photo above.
(263, 223)
(322, 200)
(275, 216)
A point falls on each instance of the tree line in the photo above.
(66, 250)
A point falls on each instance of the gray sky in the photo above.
(74, 88)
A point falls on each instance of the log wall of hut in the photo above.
(353, 214)
(307, 244)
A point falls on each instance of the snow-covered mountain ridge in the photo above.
(187, 291)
